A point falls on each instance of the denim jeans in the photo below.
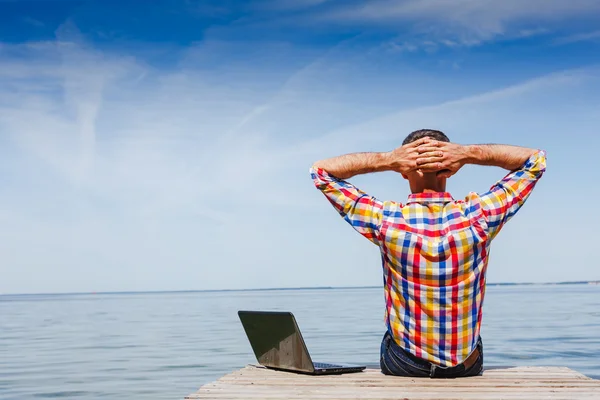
(397, 361)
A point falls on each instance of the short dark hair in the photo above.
(421, 133)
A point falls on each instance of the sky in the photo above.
(166, 145)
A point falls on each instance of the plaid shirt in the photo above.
(434, 251)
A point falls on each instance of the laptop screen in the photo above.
(276, 340)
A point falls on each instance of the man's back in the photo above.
(435, 254)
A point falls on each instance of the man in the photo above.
(434, 249)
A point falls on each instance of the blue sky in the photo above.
(165, 145)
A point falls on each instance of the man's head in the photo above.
(421, 133)
(429, 181)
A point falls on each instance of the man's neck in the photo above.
(428, 191)
(428, 186)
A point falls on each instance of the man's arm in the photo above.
(447, 158)
(403, 160)
(361, 211)
(509, 194)
(349, 165)
(499, 155)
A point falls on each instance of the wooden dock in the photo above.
(254, 382)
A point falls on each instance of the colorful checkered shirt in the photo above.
(434, 251)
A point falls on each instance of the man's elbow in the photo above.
(318, 164)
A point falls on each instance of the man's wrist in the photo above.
(474, 154)
(384, 161)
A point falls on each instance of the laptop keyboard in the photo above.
(325, 365)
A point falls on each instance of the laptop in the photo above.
(278, 344)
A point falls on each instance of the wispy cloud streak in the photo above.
(121, 175)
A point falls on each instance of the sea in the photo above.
(165, 345)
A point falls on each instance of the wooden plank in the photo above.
(520, 371)
(364, 376)
(507, 383)
(421, 395)
(442, 384)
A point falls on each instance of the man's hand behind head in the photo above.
(404, 158)
(444, 158)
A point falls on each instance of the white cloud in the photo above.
(121, 176)
(465, 21)
(288, 5)
(579, 37)
(34, 22)
(395, 125)
(432, 44)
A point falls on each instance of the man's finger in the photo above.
(437, 154)
(431, 143)
(420, 142)
(431, 166)
(427, 147)
(429, 160)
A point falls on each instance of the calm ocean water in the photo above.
(165, 345)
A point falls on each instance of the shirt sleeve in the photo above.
(360, 210)
(507, 196)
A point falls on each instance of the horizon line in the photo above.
(277, 288)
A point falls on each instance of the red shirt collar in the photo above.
(430, 197)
